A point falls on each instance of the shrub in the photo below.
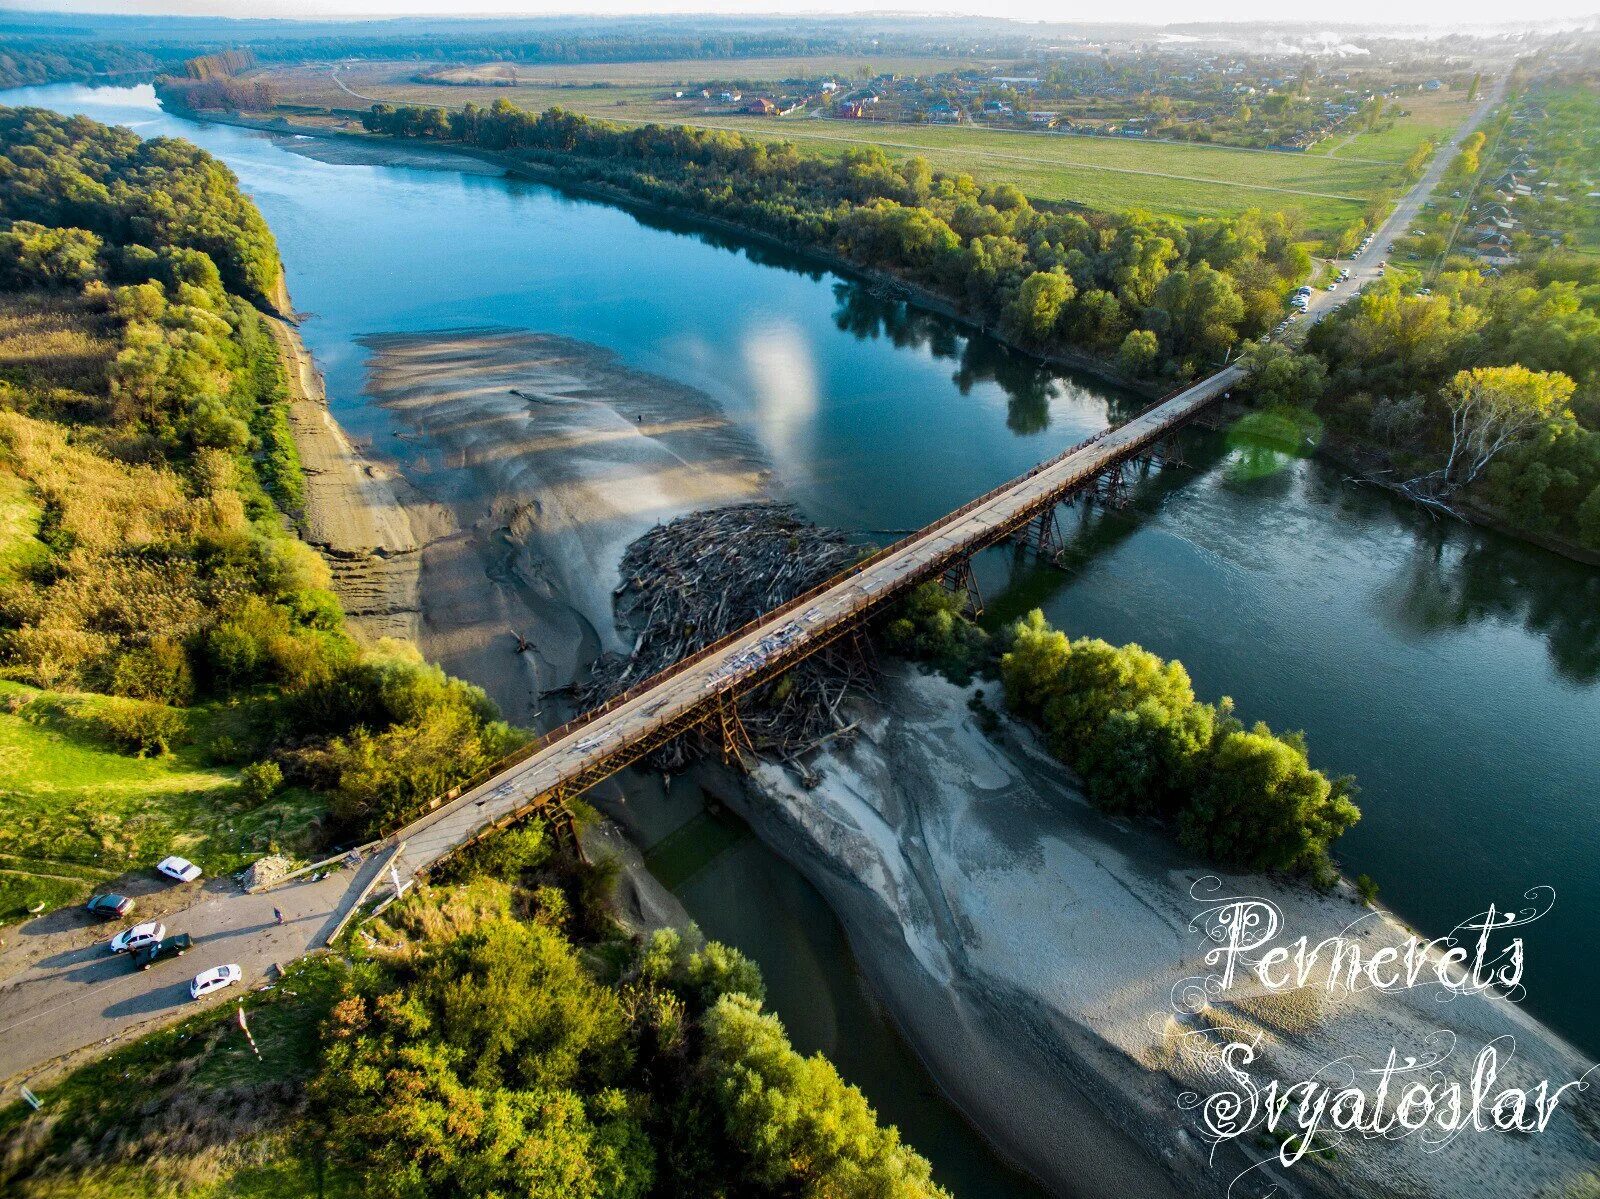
(259, 781)
(133, 726)
(929, 626)
(157, 671)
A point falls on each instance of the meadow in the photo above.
(81, 812)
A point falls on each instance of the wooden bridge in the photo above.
(701, 690)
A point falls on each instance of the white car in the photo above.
(214, 979)
(137, 937)
(178, 869)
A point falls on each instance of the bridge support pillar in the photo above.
(1169, 452)
(735, 738)
(960, 580)
(1112, 488)
(559, 820)
(1042, 535)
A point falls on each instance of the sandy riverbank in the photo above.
(1030, 948)
(355, 512)
(543, 458)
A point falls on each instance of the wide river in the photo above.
(1456, 673)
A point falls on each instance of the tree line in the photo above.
(1163, 299)
(1131, 727)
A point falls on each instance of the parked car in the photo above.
(214, 979)
(174, 946)
(137, 937)
(109, 907)
(178, 869)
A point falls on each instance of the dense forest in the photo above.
(29, 62)
(137, 196)
(1163, 299)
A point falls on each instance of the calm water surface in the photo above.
(1454, 672)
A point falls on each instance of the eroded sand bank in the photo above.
(1031, 948)
(356, 511)
(543, 457)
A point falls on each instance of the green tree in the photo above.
(1491, 408)
(1280, 376)
(1261, 805)
(803, 1130)
(1139, 351)
(1035, 312)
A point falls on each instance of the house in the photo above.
(761, 107)
(1044, 118)
(729, 97)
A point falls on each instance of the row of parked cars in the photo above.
(149, 943)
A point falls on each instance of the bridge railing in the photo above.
(565, 729)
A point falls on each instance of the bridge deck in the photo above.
(579, 752)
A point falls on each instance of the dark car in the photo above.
(109, 907)
(174, 946)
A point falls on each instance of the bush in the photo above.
(1366, 889)
(930, 626)
(1260, 804)
(134, 726)
(259, 781)
(158, 671)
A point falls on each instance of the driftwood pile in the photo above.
(702, 576)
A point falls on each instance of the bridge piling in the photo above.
(959, 579)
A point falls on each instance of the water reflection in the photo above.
(870, 311)
(781, 377)
(1455, 577)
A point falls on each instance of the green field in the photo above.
(79, 813)
(1329, 187)
(1430, 116)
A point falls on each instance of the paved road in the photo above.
(73, 996)
(1365, 268)
(76, 993)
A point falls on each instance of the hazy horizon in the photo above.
(1438, 14)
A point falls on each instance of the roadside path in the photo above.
(76, 993)
(1364, 269)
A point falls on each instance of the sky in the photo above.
(1442, 13)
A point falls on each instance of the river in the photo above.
(1455, 672)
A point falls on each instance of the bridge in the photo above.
(701, 690)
